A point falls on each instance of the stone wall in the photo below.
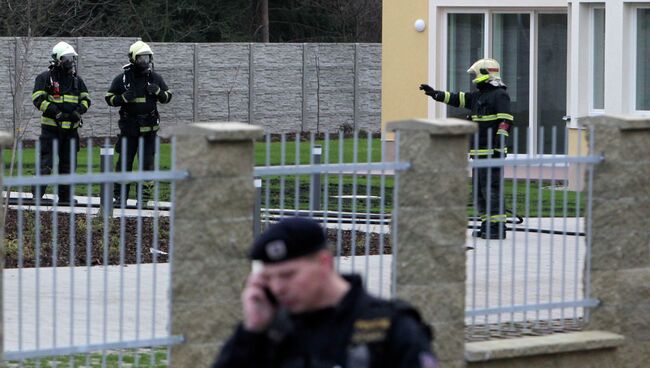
(282, 87)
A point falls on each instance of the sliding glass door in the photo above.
(537, 89)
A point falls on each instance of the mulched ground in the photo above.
(73, 250)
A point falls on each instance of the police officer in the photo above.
(137, 91)
(62, 96)
(299, 312)
(490, 108)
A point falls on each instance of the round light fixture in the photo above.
(420, 25)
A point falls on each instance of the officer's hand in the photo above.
(258, 310)
(153, 89)
(128, 95)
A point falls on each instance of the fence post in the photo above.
(620, 251)
(432, 227)
(213, 231)
(5, 141)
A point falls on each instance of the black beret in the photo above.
(289, 238)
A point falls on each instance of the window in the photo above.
(642, 60)
(511, 48)
(598, 72)
(465, 40)
(551, 81)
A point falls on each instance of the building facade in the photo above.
(562, 60)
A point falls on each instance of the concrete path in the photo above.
(90, 306)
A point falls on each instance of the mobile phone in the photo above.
(270, 297)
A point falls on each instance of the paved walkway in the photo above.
(89, 306)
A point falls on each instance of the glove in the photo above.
(75, 116)
(153, 89)
(128, 95)
(429, 91)
(62, 116)
(503, 130)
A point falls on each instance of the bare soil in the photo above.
(58, 245)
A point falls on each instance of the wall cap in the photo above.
(621, 122)
(483, 351)
(449, 126)
(221, 131)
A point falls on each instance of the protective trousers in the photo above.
(127, 148)
(62, 153)
(490, 204)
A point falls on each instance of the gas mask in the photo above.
(68, 63)
(143, 62)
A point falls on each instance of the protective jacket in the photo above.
(140, 115)
(489, 105)
(360, 332)
(57, 91)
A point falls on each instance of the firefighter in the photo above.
(62, 96)
(298, 311)
(137, 91)
(489, 105)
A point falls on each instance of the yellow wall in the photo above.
(404, 60)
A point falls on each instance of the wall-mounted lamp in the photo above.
(420, 25)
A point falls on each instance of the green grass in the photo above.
(145, 358)
(551, 199)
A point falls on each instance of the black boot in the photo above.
(494, 231)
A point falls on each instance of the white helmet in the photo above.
(485, 70)
(139, 48)
(63, 55)
(61, 49)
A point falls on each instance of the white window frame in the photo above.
(592, 31)
(633, 37)
(488, 13)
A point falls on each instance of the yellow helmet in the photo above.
(139, 48)
(485, 70)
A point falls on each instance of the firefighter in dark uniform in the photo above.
(62, 96)
(490, 109)
(137, 91)
(299, 312)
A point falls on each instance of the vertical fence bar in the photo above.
(283, 157)
(267, 189)
(313, 192)
(257, 182)
(590, 192)
(368, 193)
(54, 234)
(394, 230)
(316, 153)
(89, 222)
(325, 191)
(296, 189)
(170, 248)
(339, 250)
(382, 217)
(551, 264)
(515, 172)
(353, 233)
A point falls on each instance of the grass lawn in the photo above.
(144, 358)
(551, 203)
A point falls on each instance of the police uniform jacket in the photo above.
(57, 91)
(360, 332)
(138, 116)
(489, 105)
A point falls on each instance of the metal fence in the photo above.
(85, 283)
(537, 279)
(345, 183)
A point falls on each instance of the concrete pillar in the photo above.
(214, 218)
(620, 256)
(6, 140)
(432, 226)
